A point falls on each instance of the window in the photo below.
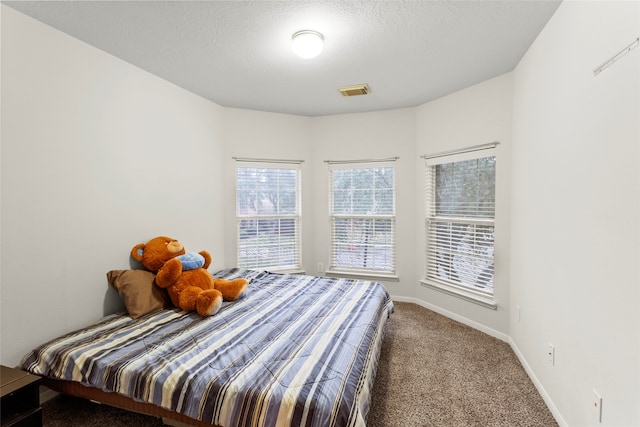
(362, 219)
(460, 216)
(268, 216)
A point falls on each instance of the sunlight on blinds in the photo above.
(268, 217)
(363, 218)
(460, 222)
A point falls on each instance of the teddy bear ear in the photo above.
(138, 251)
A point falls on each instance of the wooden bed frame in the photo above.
(122, 402)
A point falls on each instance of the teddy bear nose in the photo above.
(174, 246)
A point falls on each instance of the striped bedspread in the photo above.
(295, 351)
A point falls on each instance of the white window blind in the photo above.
(268, 216)
(460, 216)
(362, 218)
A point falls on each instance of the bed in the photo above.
(295, 351)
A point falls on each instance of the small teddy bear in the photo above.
(184, 274)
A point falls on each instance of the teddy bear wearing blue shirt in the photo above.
(185, 276)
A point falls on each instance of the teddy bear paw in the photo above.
(231, 289)
(209, 302)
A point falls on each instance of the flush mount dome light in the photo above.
(307, 43)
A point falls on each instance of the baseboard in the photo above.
(545, 396)
(475, 325)
(501, 336)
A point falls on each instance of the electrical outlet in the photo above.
(551, 354)
(518, 312)
(597, 406)
(320, 268)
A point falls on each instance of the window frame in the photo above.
(467, 292)
(296, 266)
(362, 272)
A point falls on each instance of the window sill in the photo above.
(467, 295)
(363, 275)
(294, 271)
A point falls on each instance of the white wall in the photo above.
(575, 268)
(477, 115)
(97, 155)
(376, 135)
(256, 134)
(385, 134)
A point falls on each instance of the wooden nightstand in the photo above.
(20, 398)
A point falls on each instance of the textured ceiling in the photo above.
(238, 53)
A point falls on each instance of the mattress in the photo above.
(295, 351)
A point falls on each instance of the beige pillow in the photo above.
(138, 292)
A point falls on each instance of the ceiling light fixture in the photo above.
(307, 43)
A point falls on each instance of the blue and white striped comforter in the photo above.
(295, 351)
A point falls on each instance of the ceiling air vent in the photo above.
(354, 90)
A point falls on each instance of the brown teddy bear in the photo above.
(184, 274)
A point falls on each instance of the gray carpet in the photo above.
(432, 372)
